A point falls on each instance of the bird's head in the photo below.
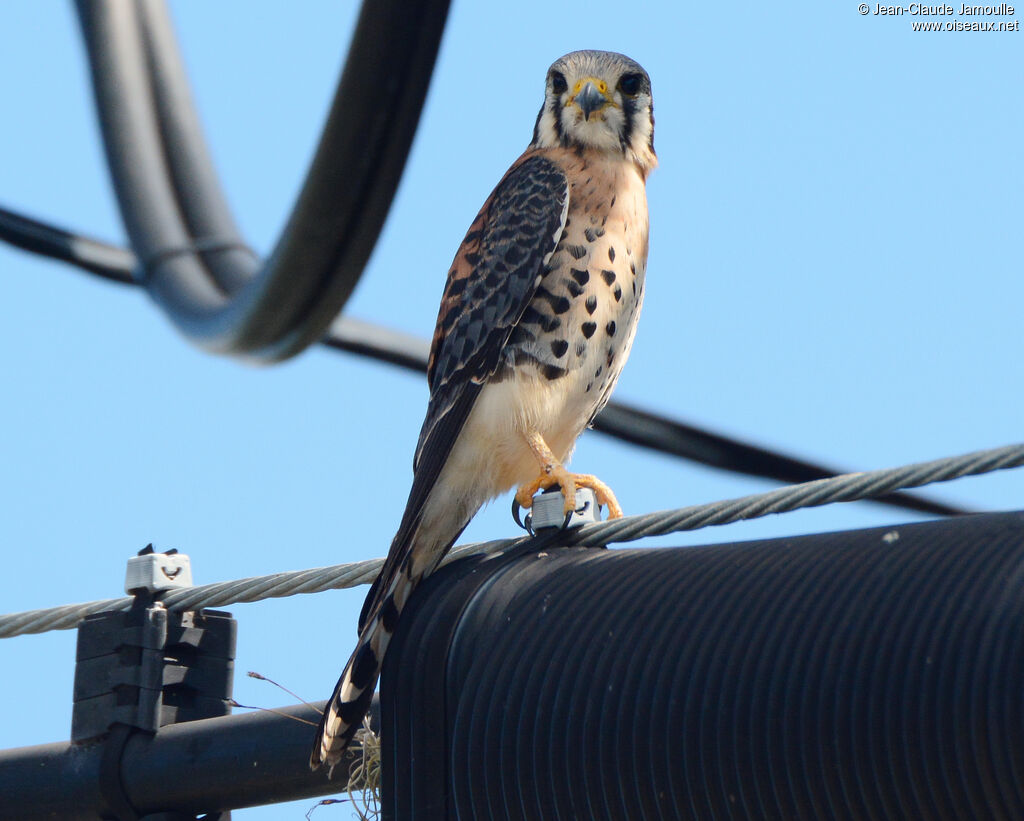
(598, 99)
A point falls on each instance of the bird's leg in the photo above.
(554, 473)
(551, 473)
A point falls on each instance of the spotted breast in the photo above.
(580, 324)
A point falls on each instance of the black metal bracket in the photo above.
(144, 668)
(147, 667)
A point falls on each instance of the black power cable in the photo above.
(630, 424)
(193, 261)
(95, 256)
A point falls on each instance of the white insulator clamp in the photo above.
(157, 572)
(549, 510)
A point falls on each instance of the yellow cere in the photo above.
(601, 86)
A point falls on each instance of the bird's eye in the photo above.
(558, 83)
(630, 84)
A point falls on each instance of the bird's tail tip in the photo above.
(342, 719)
(353, 694)
(324, 757)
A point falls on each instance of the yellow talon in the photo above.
(554, 473)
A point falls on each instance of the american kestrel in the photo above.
(537, 319)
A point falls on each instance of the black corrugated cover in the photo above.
(867, 674)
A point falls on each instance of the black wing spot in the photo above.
(588, 329)
(577, 251)
(581, 349)
(581, 276)
(473, 258)
(552, 371)
(559, 304)
(515, 254)
(523, 334)
(574, 289)
(617, 293)
(591, 304)
(608, 276)
(456, 287)
(531, 316)
(611, 253)
(610, 328)
(559, 347)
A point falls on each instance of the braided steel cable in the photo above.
(849, 487)
(846, 488)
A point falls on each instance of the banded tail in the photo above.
(413, 556)
(353, 693)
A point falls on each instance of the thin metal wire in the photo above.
(625, 422)
(847, 488)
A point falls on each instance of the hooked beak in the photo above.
(589, 99)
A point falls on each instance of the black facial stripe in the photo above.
(556, 116)
(629, 113)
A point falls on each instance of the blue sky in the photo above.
(835, 271)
